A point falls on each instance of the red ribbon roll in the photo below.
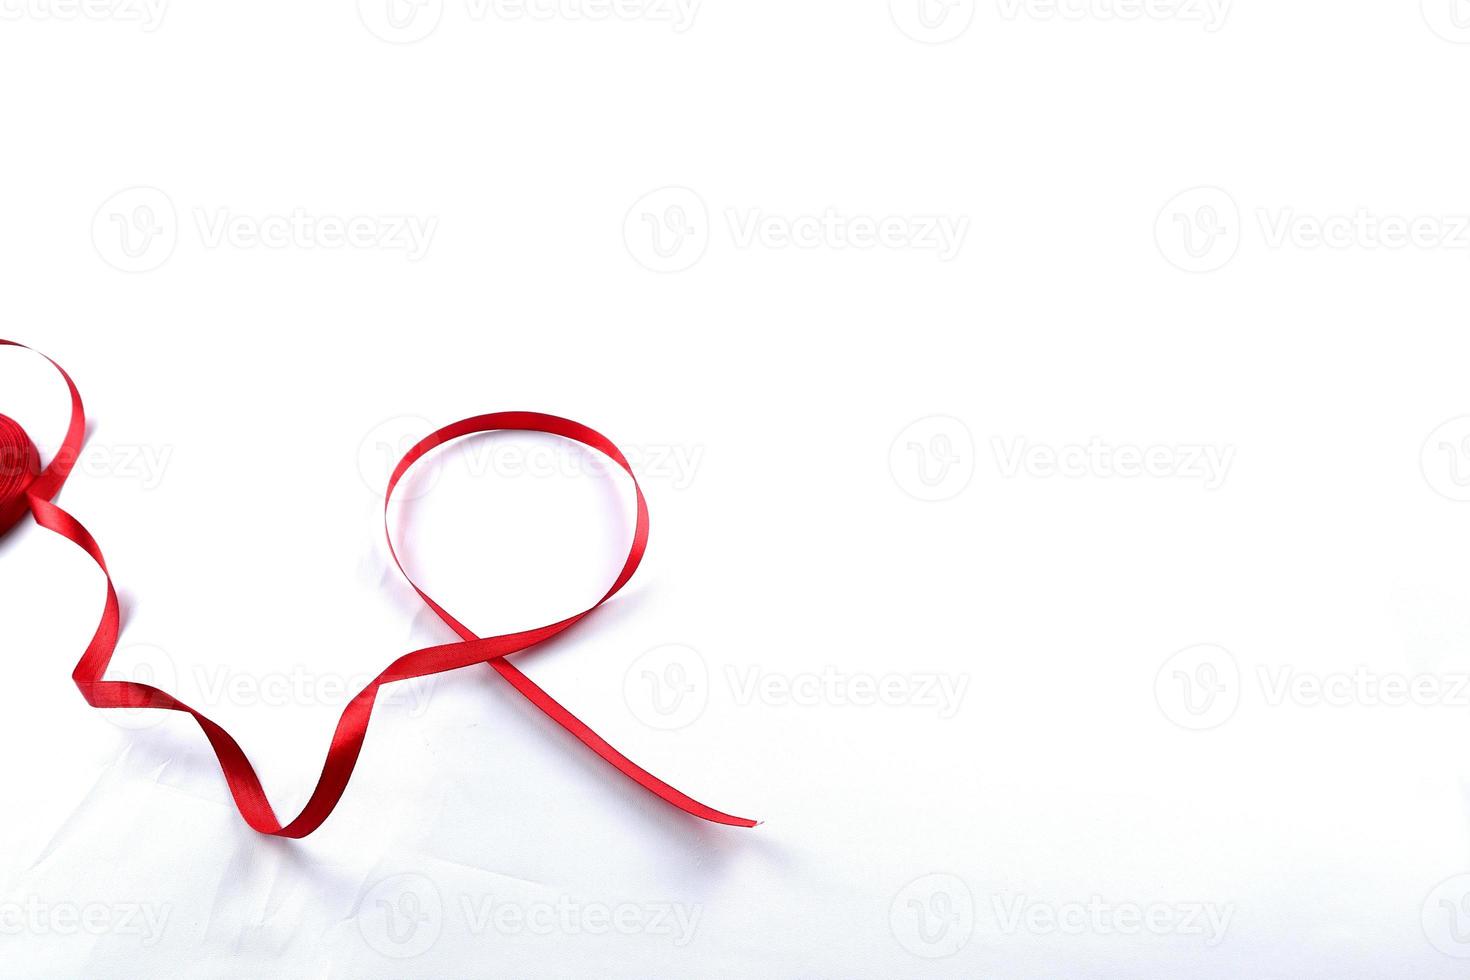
(26, 487)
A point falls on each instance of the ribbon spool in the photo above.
(20, 464)
(25, 486)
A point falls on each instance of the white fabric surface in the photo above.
(968, 723)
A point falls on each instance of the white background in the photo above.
(1179, 742)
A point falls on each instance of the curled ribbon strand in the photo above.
(25, 486)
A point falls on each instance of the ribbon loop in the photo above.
(25, 486)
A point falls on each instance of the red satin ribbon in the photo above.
(24, 486)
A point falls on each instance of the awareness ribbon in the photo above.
(26, 487)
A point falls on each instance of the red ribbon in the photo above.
(25, 486)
